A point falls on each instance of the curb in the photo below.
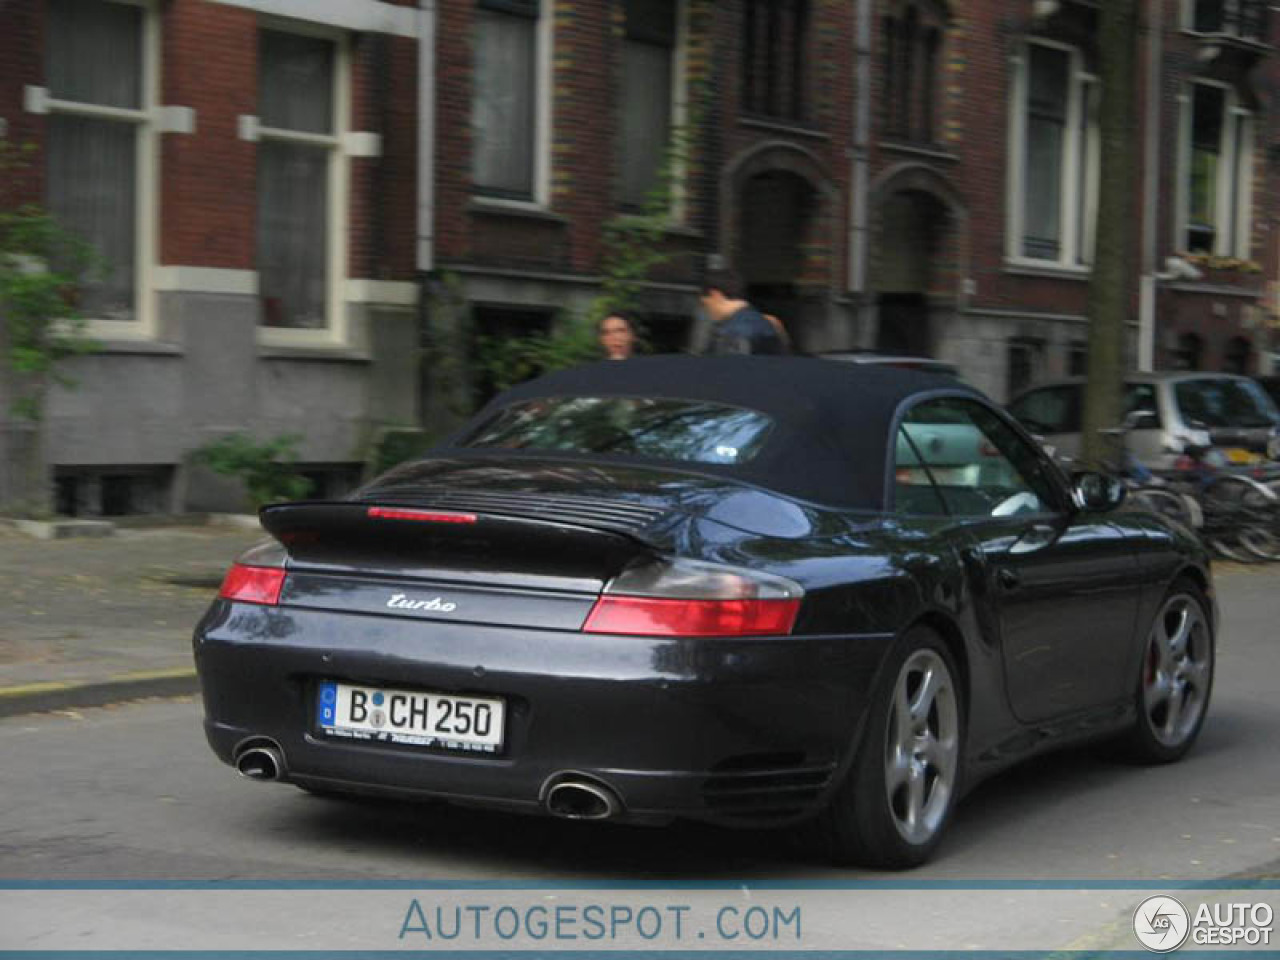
(43, 697)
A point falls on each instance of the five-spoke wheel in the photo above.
(922, 746)
(1176, 679)
(895, 801)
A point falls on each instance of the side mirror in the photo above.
(1142, 420)
(1097, 492)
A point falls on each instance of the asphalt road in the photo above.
(132, 791)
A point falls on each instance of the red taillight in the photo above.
(421, 516)
(253, 584)
(661, 617)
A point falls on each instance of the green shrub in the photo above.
(266, 468)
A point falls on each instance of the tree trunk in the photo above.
(1110, 288)
(25, 488)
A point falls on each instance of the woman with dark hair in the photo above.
(617, 335)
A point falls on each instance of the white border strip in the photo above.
(364, 16)
(392, 292)
(206, 280)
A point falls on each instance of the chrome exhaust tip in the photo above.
(581, 800)
(261, 763)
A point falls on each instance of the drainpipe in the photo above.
(858, 214)
(1150, 191)
(424, 257)
(426, 135)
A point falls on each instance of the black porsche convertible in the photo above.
(742, 590)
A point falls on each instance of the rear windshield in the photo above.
(689, 430)
(1225, 403)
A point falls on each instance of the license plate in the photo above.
(410, 717)
(1240, 455)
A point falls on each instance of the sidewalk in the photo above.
(84, 622)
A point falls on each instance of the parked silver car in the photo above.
(1168, 412)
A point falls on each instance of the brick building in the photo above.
(269, 179)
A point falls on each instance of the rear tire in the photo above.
(1175, 678)
(897, 797)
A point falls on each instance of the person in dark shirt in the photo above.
(737, 326)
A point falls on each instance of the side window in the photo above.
(1142, 397)
(978, 465)
(914, 492)
(1050, 410)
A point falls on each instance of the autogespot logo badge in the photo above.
(1161, 924)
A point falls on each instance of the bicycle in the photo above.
(1240, 516)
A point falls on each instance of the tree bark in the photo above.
(1111, 283)
(25, 486)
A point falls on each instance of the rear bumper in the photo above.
(741, 731)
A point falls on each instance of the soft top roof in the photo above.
(830, 443)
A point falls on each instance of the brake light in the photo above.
(689, 598)
(247, 584)
(420, 516)
(656, 617)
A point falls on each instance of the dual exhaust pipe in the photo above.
(575, 798)
(261, 760)
(572, 798)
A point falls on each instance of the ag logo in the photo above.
(1161, 924)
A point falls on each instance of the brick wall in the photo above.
(21, 64)
(208, 179)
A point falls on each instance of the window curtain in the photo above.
(94, 52)
(1048, 85)
(295, 94)
(502, 121)
(94, 56)
(646, 118)
(295, 83)
(293, 220)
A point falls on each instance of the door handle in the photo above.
(1008, 579)
(1035, 537)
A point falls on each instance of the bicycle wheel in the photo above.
(1164, 503)
(1262, 538)
(1241, 519)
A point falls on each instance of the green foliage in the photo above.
(395, 445)
(42, 267)
(266, 468)
(511, 360)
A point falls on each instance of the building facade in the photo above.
(286, 192)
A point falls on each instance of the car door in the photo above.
(1059, 585)
(1146, 437)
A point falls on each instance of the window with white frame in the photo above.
(1053, 159)
(1217, 179)
(299, 169)
(649, 85)
(505, 104)
(98, 143)
(1241, 18)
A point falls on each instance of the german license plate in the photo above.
(1240, 455)
(410, 717)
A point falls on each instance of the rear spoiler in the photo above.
(397, 537)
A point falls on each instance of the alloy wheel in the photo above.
(922, 746)
(1179, 670)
